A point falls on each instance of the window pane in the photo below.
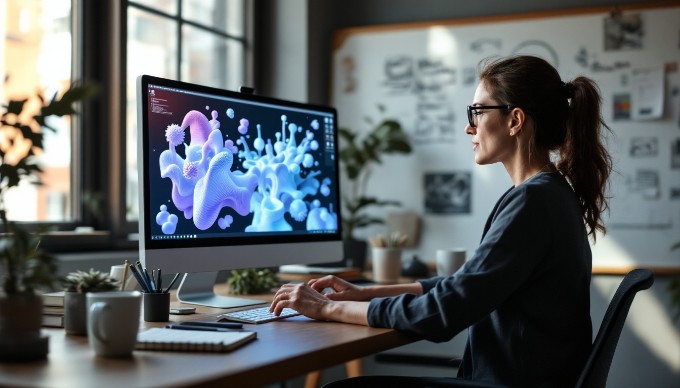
(210, 60)
(167, 6)
(36, 56)
(222, 15)
(151, 50)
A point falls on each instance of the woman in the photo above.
(524, 294)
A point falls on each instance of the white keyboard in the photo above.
(256, 315)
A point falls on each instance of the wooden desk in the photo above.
(283, 349)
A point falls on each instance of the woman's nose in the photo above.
(469, 129)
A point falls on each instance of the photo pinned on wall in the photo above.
(674, 193)
(621, 106)
(448, 193)
(675, 154)
(643, 147)
(348, 68)
(623, 31)
(647, 184)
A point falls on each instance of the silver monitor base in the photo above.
(197, 288)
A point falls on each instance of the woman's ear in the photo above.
(517, 121)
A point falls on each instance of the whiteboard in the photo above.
(425, 74)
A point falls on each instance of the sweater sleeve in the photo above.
(516, 239)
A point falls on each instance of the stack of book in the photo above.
(53, 309)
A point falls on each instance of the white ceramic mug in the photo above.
(113, 322)
(449, 260)
(386, 264)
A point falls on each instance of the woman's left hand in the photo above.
(302, 298)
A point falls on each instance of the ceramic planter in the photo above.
(75, 313)
(20, 322)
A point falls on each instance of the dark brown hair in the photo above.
(567, 120)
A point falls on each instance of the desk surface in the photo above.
(282, 350)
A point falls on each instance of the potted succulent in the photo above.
(26, 270)
(76, 285)
(357, 158)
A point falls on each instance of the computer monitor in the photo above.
(232, 180)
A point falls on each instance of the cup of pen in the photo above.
(156, 300)
(156, 306)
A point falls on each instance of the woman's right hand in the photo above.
(342, 289)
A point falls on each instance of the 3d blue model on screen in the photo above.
(241, 180)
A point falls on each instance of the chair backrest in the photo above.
(596, 370)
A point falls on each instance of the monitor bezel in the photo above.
(148, 245)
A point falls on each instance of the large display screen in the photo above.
(224, 168)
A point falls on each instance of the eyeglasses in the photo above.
(473, 112)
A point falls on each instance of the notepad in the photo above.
(192, 341)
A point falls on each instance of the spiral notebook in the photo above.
(192, 341)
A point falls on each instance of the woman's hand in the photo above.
(341, 289)
(302, 298)
(308, 300)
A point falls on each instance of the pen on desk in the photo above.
(172, 282)
(194, 327)
(223, 325)
(140, 279)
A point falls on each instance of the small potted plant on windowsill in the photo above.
(26, 269)
(357, 158)
(76, 285)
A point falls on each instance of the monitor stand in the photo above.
(197, 288)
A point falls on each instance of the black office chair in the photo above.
(596, 370)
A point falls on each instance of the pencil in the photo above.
(125, 269)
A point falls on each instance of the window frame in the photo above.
(99, 36)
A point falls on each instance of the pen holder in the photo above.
(156, 306)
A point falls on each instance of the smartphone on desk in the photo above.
(182, 310)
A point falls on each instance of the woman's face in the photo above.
(491, 140)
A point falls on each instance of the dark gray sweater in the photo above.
(524, 294)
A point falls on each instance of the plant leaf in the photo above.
(16, 106)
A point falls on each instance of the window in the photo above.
(36, 56)
(90, 171)
(209, 49)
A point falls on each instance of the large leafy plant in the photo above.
(26, 267)
(357, 157)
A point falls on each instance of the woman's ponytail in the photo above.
(584, 159)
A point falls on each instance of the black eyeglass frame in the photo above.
(471, 108)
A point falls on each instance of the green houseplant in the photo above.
(25, 268)
(76, 285)
(252, 281)
(357, 158)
